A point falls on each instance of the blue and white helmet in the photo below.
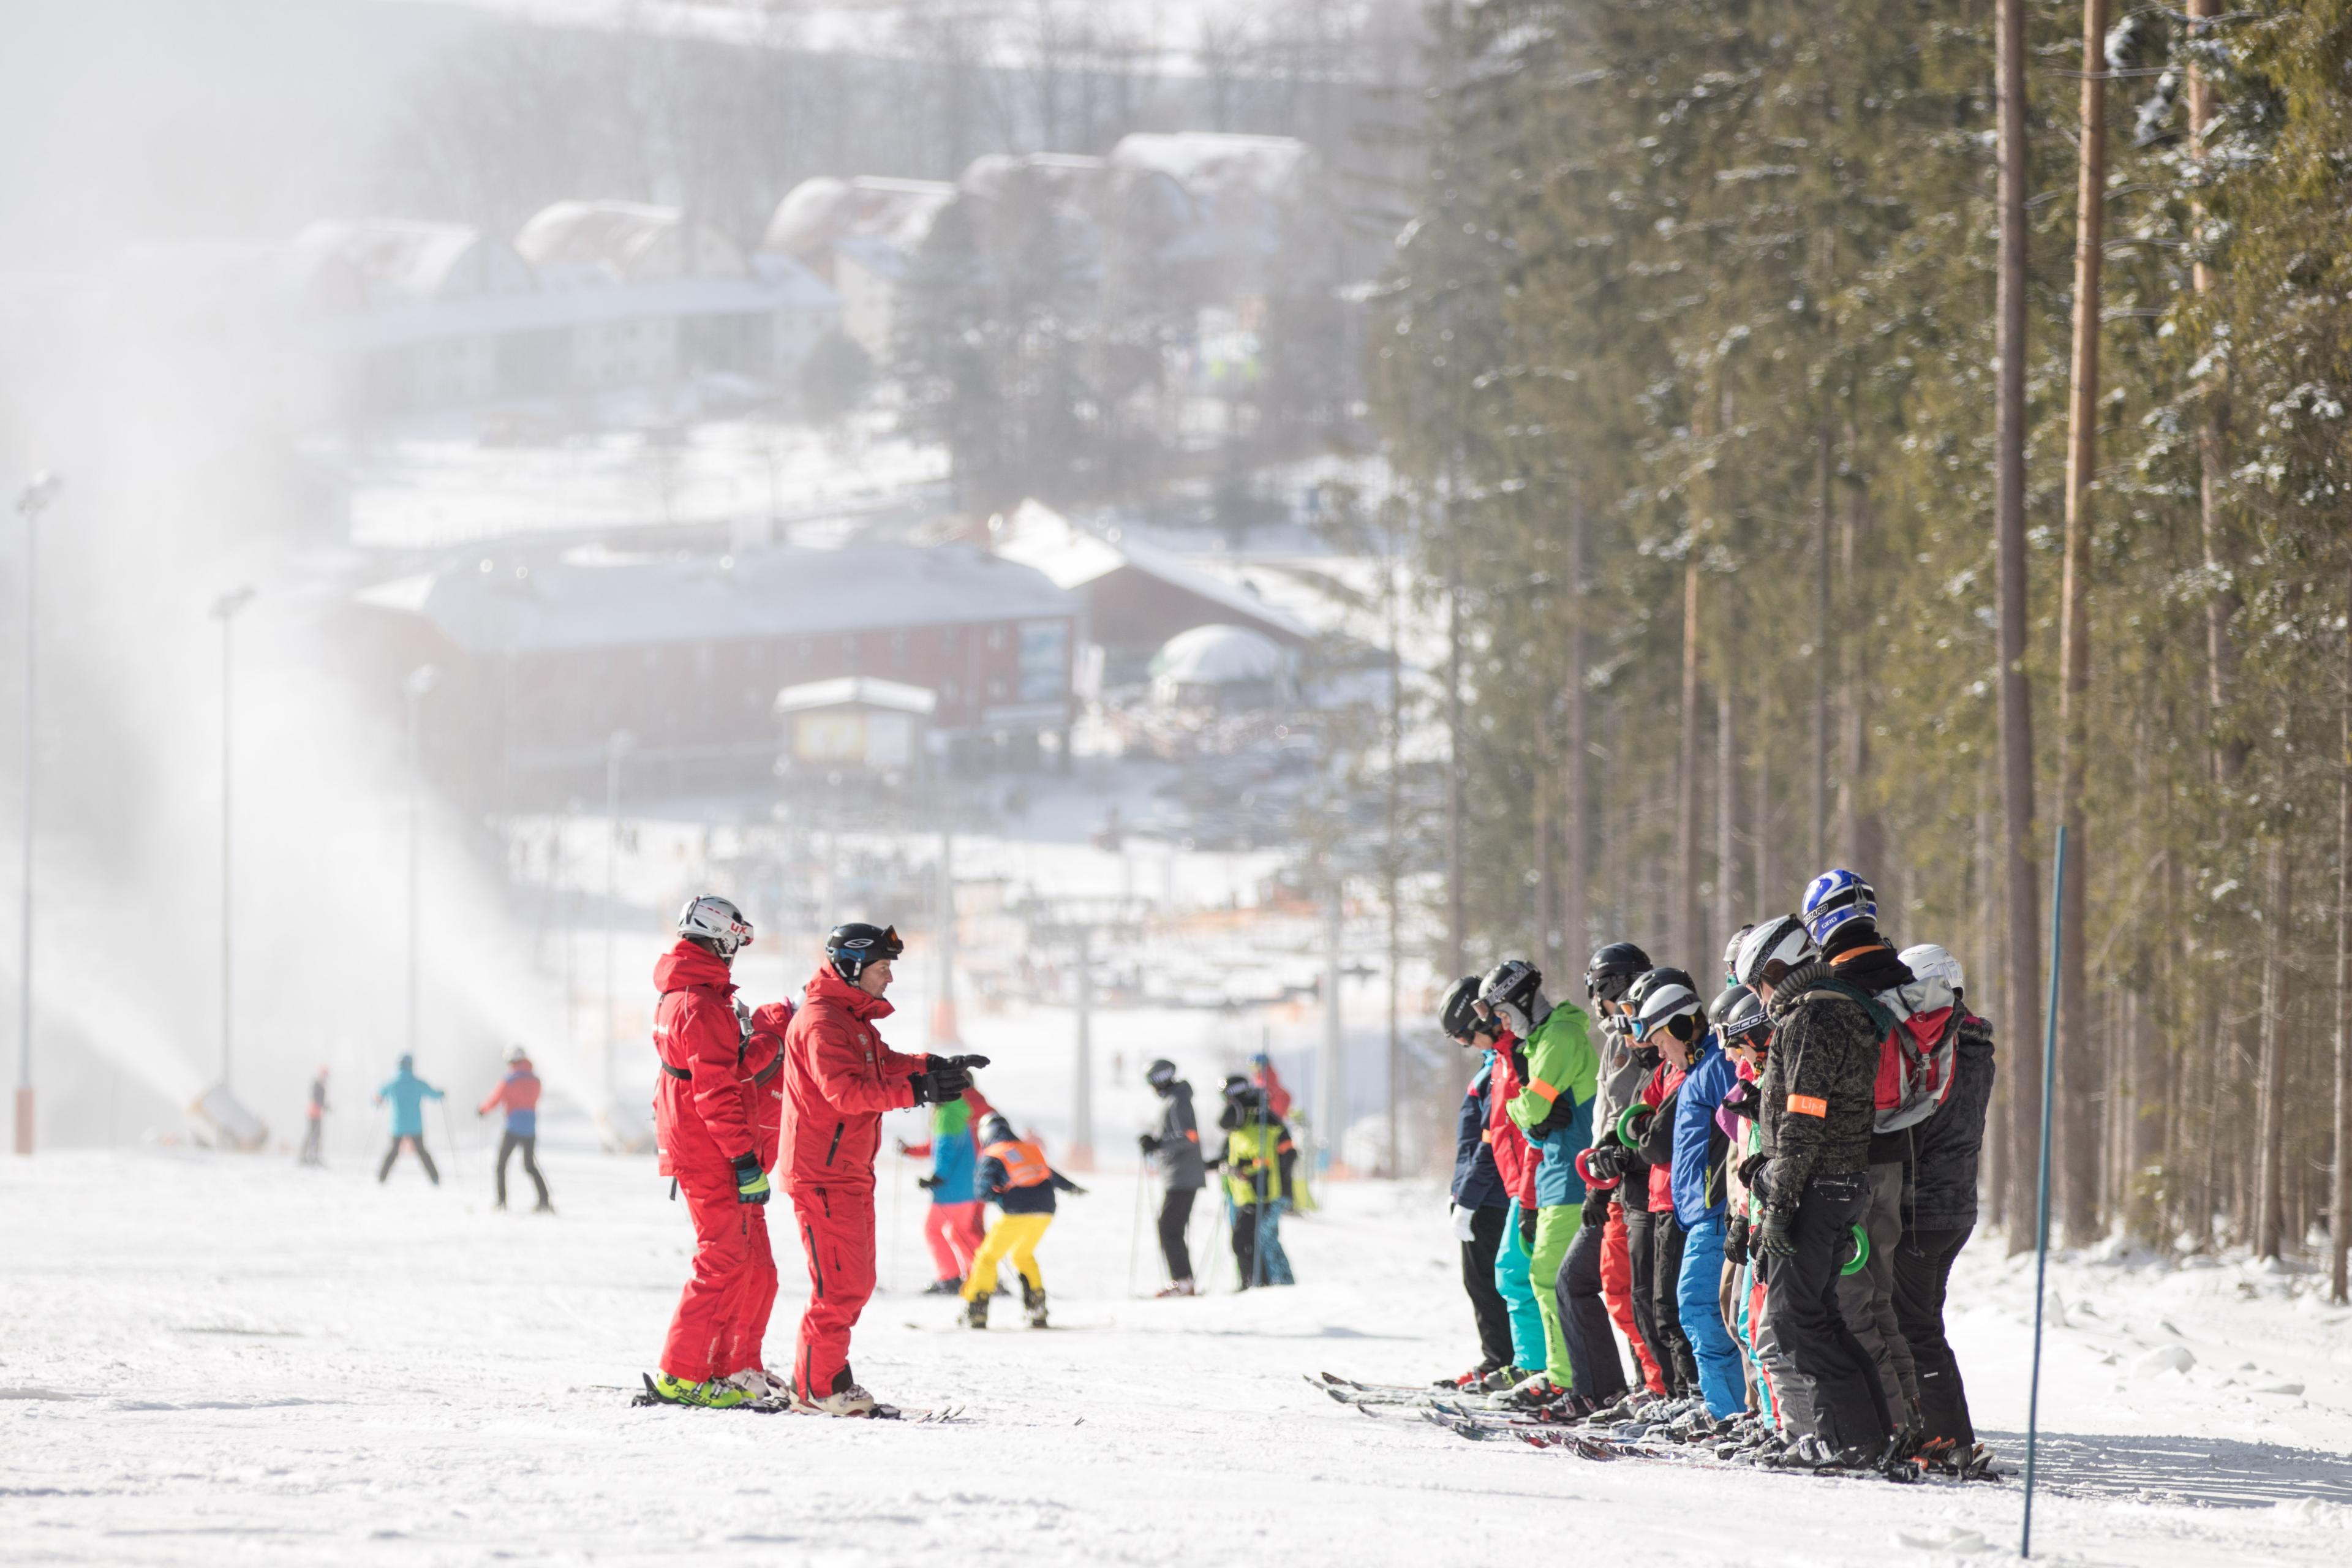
(1831, 899)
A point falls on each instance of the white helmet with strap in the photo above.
(715, 921)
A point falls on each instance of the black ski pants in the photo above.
(1245, 1244)
(1175, 1215)
(1641, 1257)
(392, 1153)
(1599, 1370)
(1486, 1304)
(1677, 1358)
(1922, 1269)
(1802, 1299)
(528, 1144)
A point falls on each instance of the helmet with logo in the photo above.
(1775, 947)
(1832, 899)
(716, 921)
(850, 948)
(1613, 967)
(1513, 991)
(1458, 1014)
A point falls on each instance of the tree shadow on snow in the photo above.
(2206, 1472)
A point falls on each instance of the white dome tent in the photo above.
(1218, 666)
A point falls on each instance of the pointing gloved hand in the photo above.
(1780, 1238)
(930, 1184)
(750, 1182)
(945, 1079)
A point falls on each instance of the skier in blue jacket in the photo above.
(407, 1094)
(1701, 1148)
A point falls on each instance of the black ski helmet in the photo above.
(1458, 1014)
(1739, 1018)
(1612, 969)
(1161, 1073)
(850, 948)
(1509, 992)
(996, 1130)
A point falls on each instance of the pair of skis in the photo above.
(779, 1404)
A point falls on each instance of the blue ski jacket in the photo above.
(1476, 1184)
(407, 1094)
(1700, 1147)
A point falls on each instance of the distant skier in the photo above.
(519, 1093)
(1257, 1159)
(953, 1226)
(407, 1094)
(1262, 1074)
(315, 1115)
(1175, 1147)
(839, 1078)
(1016, 1178)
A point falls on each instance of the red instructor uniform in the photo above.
(838, 1079)
(715, 1102)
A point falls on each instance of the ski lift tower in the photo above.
(1078, 926)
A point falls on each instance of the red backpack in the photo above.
(1916, 1059)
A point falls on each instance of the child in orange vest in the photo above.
(1015, 1177)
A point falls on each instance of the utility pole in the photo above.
(1456, 932)
(225, 609)
(1330, 1106)
(2022, 968)
(419, 684)
(30, 502)
(617, 745)
(2079, 1148)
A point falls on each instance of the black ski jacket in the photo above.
(1176, 1146)
(1820, 1081)
(1477, 1182)
(1946, 1146)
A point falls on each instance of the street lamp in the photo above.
(30, 502)
(225, 609)
(418, 684)
(617, 745)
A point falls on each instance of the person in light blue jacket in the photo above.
(406, 1094)
(1701, 1150)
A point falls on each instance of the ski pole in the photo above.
(1135, 1229)
(897, 1208)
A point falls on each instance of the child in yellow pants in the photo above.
(1015, 1177)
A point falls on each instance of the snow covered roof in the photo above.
(1239, 186)
(1070, 175)
(1217, 655)
(821, 213)
(781, 286)
(593, 597)
(1071, 557)
(862, 691)
(393, 261)
(576, 243)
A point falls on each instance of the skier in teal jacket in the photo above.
(407, 1094)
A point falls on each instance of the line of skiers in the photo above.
(1762, 1194)
(1258, 1173)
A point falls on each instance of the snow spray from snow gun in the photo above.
(2041, 1222)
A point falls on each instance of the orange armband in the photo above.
(1807, 1105)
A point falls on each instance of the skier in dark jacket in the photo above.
(1941, 1213)
(1175, 1147)
(1818, 1099)
(1481, 1206)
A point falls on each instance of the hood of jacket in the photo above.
(685, 966)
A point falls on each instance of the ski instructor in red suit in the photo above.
(839, 1078)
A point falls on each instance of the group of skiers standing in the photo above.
(1258, 1170)
(1762, 1194)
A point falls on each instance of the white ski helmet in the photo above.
(1780, 940)
(1929, 962)
(517, 1054)
(715, 921)
(1667, 1002)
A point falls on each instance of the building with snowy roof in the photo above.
(859, 234)
(549, 653)
(1134, 596)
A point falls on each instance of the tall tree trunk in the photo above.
(2269, 1084)
(2077, 1051)
(1455, 938)
(1573, 914)
(1760, 827)
(2021, 971)
(2228, 751)
(1822, 645)
(1546, 890)
(2339, 1202)
(1859, 845)
(1683, 932)
(1727, 812)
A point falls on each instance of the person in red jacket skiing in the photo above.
(838, 1079)
(706, 1121)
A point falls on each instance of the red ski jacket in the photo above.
(700, 1110)
(1660, 1086)
(763, 1085)
(1514, 1160)
(839, 1078)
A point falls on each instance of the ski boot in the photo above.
(1537, 1392)
(1502, 1380)
(1033, 1302)
(1977, 1466)
(1468, 1380)
(944, 1287)
(1179, 1288)
(975, 1312)
(846, 1398)
(713, 1393)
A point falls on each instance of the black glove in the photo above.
(1605, 1161)
(1074, 1190)
(1743, 1100)
(943, 1082)
(1146, 1142)
(1528, 1228)
(969, 1064)
(750, 1182)
(1734, 1241)
(1596, 1206)
(930, 1184)
(1750, 1165)
(1639, 1124)
(1779, 1236)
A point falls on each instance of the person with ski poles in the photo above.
(1257, 1159)
(1554, 1109)
(954, 1224)
(1481, 1206)
(1175, 1147)
(518, 1092)
(406, 1094)
(1016, 1177)
(839, 1078)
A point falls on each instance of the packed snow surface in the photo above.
(209, 1359)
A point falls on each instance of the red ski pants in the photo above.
(722, 1315)
(954, 1232)
(1617, 1290)
(838, 1236)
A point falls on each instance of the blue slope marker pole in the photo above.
(2042, 1228)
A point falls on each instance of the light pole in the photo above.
(30, 501)
(617, 745)
(418, 684)
(225, 609)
